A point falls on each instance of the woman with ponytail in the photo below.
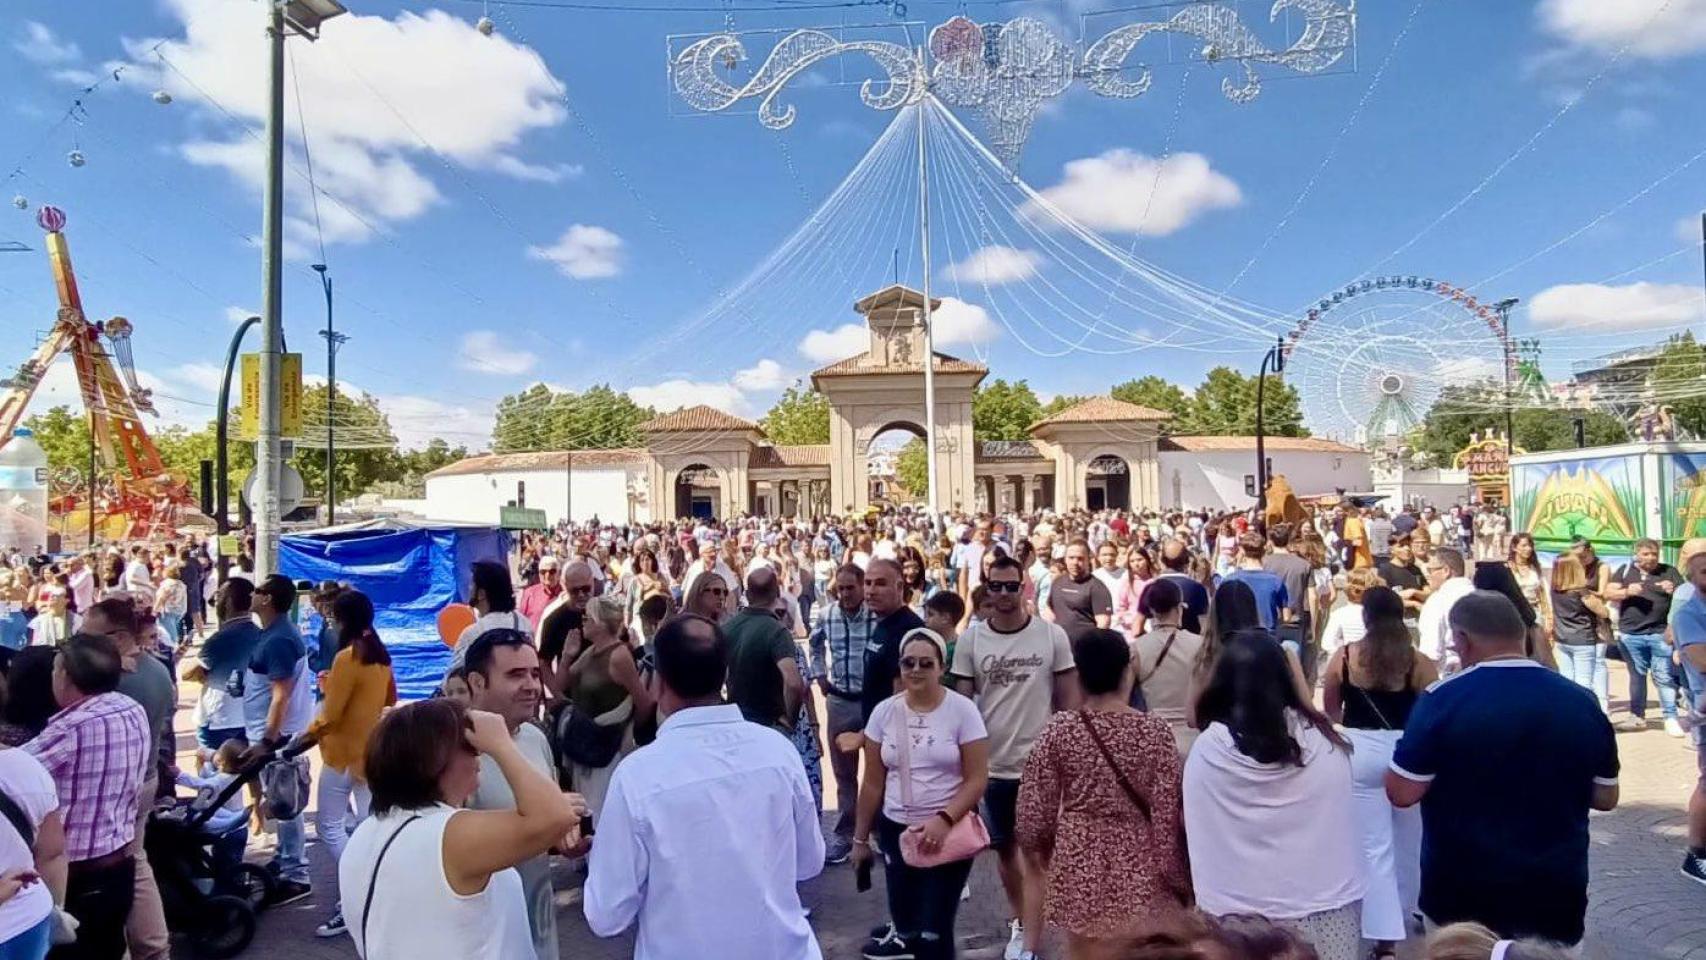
(357, 690)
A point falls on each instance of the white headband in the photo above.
(1501, 950)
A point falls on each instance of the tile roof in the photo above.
(807, 455)
(865, 363)
(1241, 444)
(1103, 410)
(892, 295)
(555, 460)
(1008, 450)
(698, 417)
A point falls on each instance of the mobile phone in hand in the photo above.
(586, 827)
(862, 876)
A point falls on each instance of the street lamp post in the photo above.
(222, 461)
(1276, 358)
(1504, 308)
(302, 18)
(334, 340)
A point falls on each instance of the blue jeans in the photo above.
(1585, 664)
(1646, 653)
(292, 856)
(29, 944)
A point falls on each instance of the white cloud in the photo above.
(541, 173)
(675, 394)
(473, 98)
(762, 376)
(1115, 190)
(236, 315)
(415, 420)
(995, 265)
(828, 346)
(1688, 231)
(957, 321)
(584, 252)
(205, 377)
(39, 44)
(1632, 119)
(484, 352)
(171, 401)
(1653, 29)
(1599, 308)
(74, 76)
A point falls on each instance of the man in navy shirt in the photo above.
(1506, 759)
(1176, 558)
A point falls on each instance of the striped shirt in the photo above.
(838, 648)
(95, 750)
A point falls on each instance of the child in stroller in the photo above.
(227, 828)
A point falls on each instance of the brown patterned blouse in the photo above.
(1109, 865)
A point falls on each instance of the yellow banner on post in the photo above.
(290, 397)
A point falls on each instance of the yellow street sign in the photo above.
(290, 397)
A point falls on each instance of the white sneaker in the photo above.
(1674, 728)
(1015, 941)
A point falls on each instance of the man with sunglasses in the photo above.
(1019, 669)
(537, 597)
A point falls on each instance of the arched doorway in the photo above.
(698, 491)
(1107, 483)
(894, 462)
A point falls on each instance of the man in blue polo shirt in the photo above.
(1688, 627)
(278, 705)
(1506, 759)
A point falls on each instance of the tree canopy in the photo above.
(539, 418)
(1004, 411)
(1154, 392)
(1463, 410)
(1677, 379)
(912, 467)
(799, 418)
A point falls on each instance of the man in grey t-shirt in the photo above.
(503, 678)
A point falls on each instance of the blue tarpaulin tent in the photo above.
(410, 571)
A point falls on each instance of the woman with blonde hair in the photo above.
(605, 693)
(1471, 941)
(1577, 612)
(1345, 624)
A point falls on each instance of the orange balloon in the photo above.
(454, 619)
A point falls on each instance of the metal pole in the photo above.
(1261, 425)
(267, 452)
(222, 460)
(92, 476)
(929, 338)
(334, 340)
(1510, 412)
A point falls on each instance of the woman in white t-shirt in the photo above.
(32, 870)
(1344, 624)
(423, 877)
(1267, 801)
(926, 765)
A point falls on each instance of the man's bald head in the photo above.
(1175, 555)
(762, 588)
(578, 583)
(1485, 624)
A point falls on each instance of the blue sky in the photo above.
(535, 205)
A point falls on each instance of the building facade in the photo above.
(1101, 453)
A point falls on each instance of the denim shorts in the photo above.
(1001, 812)
(211, 738)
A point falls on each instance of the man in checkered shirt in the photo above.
(95, 748)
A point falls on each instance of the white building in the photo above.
(1219, 473)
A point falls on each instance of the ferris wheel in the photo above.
(1368, 361)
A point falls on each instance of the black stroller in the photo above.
(207, 892)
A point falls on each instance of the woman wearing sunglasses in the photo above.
(926, 765)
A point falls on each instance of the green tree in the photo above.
(540, 418)
(1004, 411)
(912, 467)
(1154, 392)
(1462, 410)
(1224, 404)
(366, 445)
(799, 417)
(64, 436)
(1676, 380)
(1059, 403)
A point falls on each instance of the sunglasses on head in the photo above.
(1003, 586)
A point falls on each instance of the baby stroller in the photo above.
(208, 893)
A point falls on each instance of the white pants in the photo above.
(337, 793)
(1391, 839)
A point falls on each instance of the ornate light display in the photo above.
(1006, 71)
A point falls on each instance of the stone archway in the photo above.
(882, 453)
(698, 491)
(1107, 483)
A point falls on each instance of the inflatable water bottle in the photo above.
(23, 493)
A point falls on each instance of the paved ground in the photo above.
(1641, 908)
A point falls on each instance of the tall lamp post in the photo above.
(284, 17)
(1504, 308)
(222, 460)
(1275, 357)
(334, 340)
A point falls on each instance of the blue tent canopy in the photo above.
(410, 571)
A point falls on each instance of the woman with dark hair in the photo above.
(1370, 687)
(1164, 661)
(1101, 809)
(1233, 611)
(1496, 575)
(1524, 564)
(357, 690)
(423, 877)
(492, 595)
(1267, 798)
(29, 695)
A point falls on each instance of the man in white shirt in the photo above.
(1433, 626)
(81, 580)
(138, 581)
(706, 831)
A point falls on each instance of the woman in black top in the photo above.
(1370, 687)
(1578, 615)
(1495, 575)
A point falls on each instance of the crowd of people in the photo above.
(1284, 736)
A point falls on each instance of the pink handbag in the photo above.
(966, 838)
